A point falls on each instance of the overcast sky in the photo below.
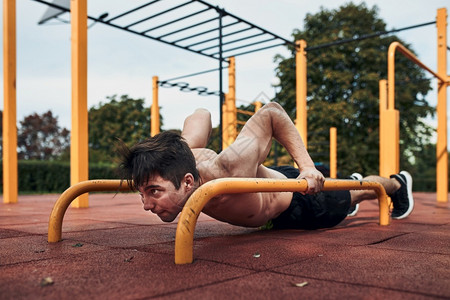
(122, 63)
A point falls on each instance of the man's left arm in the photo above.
(197, 129)
(251, 147)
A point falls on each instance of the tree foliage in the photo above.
(40, 138)
(343, 88)
(125, 118)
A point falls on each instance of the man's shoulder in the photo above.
(203, 154)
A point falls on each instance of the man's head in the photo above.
(163, 170)
(166, 155)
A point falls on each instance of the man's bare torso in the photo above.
(252, 209)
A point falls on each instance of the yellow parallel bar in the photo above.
(301, 91)
(391, 115)
(184, 239)
(79, 170)
(63, 202)
(441, 145)
(10, 185)
(391, 69)
(154, 113)
(333, 152)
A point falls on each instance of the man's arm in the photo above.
(244, 156)
(197, 129)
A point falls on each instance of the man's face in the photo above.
(162, 198)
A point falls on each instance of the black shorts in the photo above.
(322, 210)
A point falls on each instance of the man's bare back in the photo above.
(250, 210)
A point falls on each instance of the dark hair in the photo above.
(166, 154)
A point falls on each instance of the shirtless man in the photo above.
(167, 168)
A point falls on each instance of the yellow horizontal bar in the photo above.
(244, 112)
(184, 239)
(63, 202)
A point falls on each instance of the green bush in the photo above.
(53, 176)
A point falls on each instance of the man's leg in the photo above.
(398, 187)
(390, 185)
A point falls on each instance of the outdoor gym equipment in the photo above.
(184, 238)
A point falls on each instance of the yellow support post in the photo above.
(441, 146)
(333, 152)
(225, 121)
(184, 239)
(300, 87)
(154, 114)
(392, 144)
(10, 186)
(232, 101)
(258, 105)
(229, 111)
(79, 134)
(384, 132)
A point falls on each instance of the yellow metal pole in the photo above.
(258, 105)
(10, 186)
(333, 152)
(63, 202)
(392, 144)
(225, 121)
(154, 117)
(79, 133)
(441, 146)
(300, 75)
(383, 131)
(232, 101)
(184, 239)
(229, 111)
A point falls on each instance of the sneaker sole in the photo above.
(410, 197)
(356, 176)
(354, 212)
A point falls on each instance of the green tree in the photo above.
(343, 88)
(40, 137)
(125, 118)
